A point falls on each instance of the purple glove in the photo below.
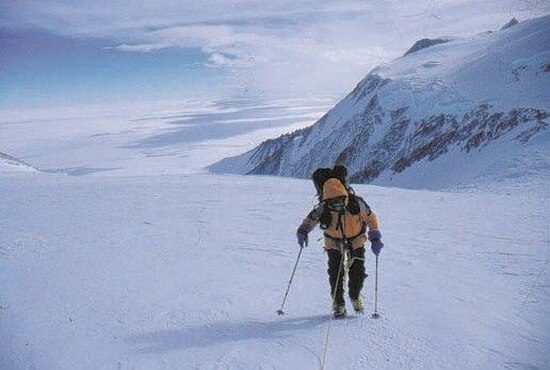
(374, 237)
(301, 235)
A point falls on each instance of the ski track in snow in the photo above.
(136, 273)
(179, 269)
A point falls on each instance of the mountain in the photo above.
(450, 111)
(12, 164)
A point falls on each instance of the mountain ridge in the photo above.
(460, 96)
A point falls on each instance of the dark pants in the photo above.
(356, 273)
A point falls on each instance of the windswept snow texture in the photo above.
(445, 115)
(127, 255)
(186, 272)
(149, 139)
(10, 164)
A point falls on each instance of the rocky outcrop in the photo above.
(404, 115)
(511, 22)
(426, 43)
(406, 141)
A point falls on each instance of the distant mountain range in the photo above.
(450, 111)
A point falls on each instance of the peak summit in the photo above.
(511, 22)
(426, 43)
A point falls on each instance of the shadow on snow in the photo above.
(222, 332)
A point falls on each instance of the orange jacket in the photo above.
(354, 227)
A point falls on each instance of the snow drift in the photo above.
(450, 111)
(12, 164)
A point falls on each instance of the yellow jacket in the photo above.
(353, 226)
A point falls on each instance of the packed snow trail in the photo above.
(177, 272)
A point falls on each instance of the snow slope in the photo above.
(442, 105)
(159, 265)
(185, 272)
(10, 164)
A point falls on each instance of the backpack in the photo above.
(321, 175)
(335, 206)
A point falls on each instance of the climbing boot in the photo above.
(338, 310)
(358, 304)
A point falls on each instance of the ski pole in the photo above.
(375, 315)
(280, 310)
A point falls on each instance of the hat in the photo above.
(334, 188)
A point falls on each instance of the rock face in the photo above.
(425, 43)
(459, 106)
(511, 22)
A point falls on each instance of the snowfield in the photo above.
(9, 164)
(127, 255)
(183, 272)
(435, 118)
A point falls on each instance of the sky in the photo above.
(69, 53)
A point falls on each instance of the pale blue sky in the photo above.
(58, 53)
(39, 68)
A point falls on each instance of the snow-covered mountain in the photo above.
(12, 164)
(140, 260)
(450, 111)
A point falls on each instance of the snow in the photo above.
(148, 139)
(146, 272)
(142, 260)
(482, 68)
(11, 165)
(485, 83)
(504, 162)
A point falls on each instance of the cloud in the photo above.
(287, 47)
(142, 48)
(206, 37)
(216, 60)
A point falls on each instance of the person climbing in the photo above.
(344, 217)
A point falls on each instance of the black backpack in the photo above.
(340, 172)
(321, 175)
